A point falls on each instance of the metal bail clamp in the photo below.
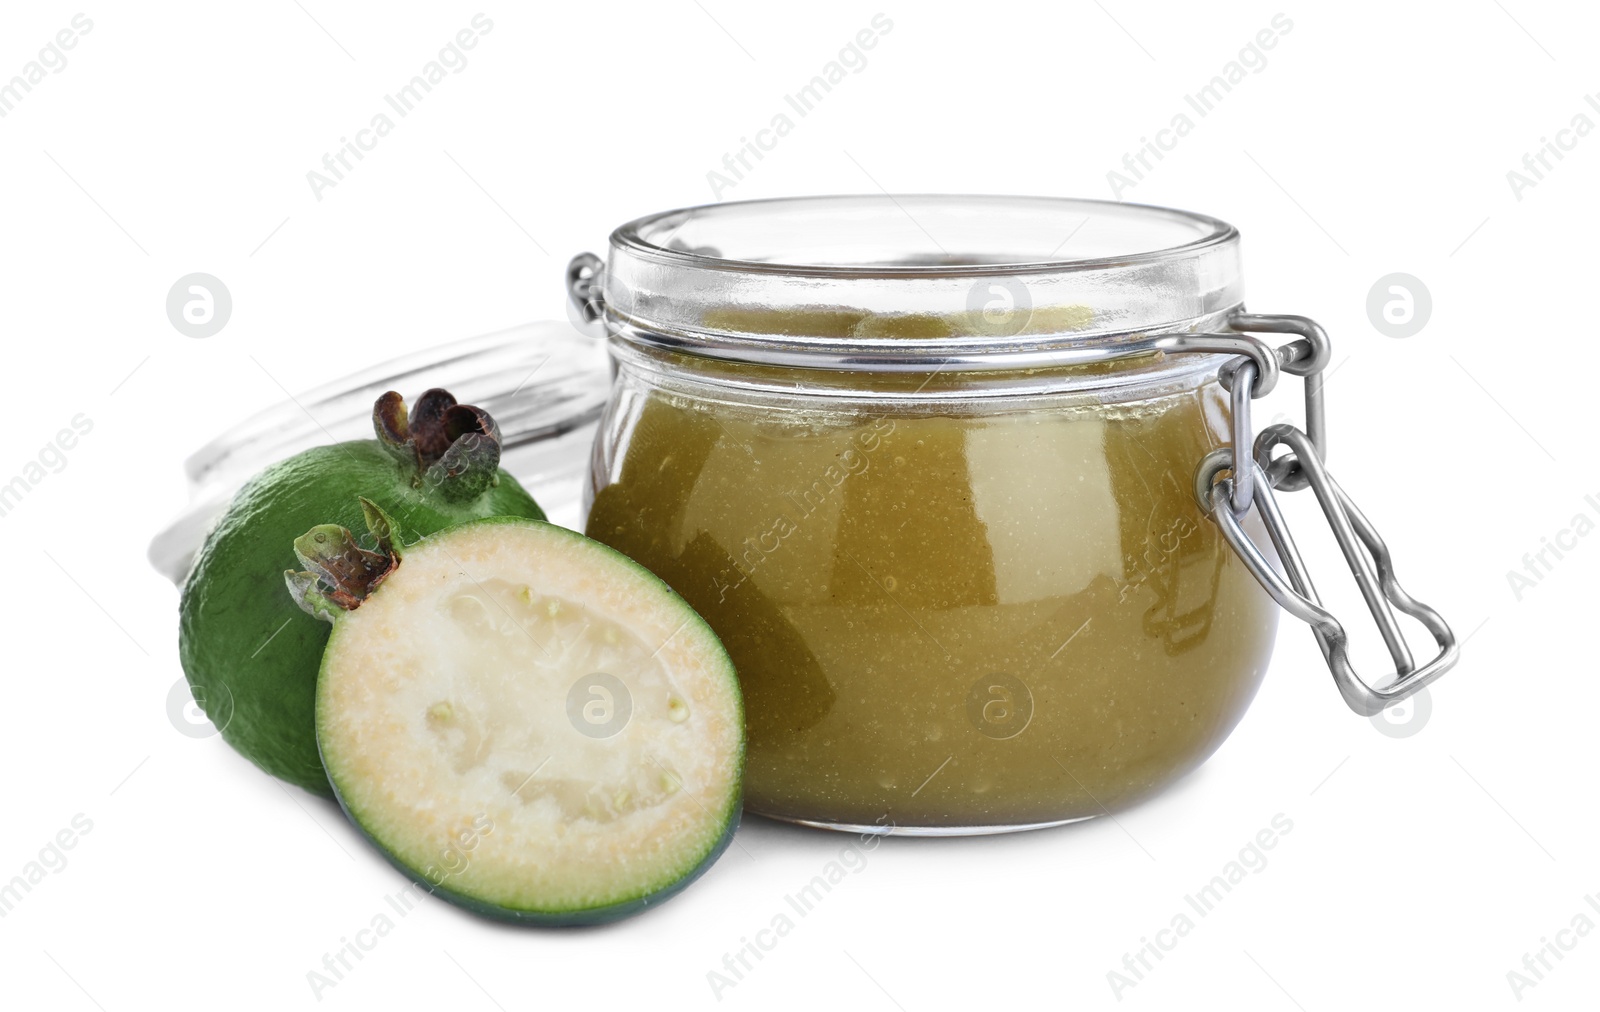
(1228, 499)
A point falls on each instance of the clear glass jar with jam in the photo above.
(928, 466)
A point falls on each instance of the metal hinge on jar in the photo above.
(585, 283)
(1227, 499)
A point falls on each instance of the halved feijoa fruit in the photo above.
(524, 720)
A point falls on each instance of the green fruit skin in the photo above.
(564, 918)
(593, 916)
(250, 654)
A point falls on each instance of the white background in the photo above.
(1376, 139)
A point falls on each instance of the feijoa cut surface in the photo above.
(529, 722)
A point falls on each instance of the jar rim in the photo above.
(633, 236)
(886, 282)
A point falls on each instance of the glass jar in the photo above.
(928, 466)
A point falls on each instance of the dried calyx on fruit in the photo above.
(452, 447)
(339, 573)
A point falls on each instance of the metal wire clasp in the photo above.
(584, 288)
(1251, 483)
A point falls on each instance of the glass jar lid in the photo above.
(544, 384)
(909, 282)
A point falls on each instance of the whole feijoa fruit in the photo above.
(250, 653)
